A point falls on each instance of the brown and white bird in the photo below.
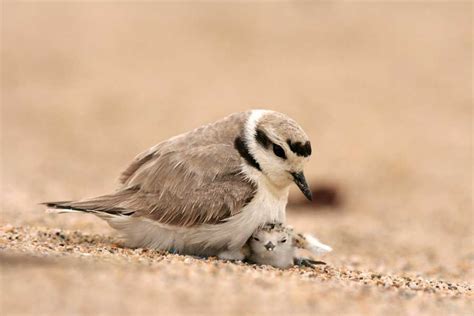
(206, 191)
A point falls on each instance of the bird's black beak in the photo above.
(269, 246)
(300, 180)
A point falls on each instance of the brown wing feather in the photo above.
(188, 180)
(200, 185)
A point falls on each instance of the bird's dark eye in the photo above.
(256, 239)
(283, 240)
(278, 151)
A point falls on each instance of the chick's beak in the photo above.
(300, 180)
(269, 246)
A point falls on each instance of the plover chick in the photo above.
(275, 244)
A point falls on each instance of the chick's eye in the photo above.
(256, 239)
(283, 240)
(278, 151)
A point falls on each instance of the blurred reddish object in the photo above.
(324, 195)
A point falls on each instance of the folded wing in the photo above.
(186, 187)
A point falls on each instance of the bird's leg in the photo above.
(173, 251)
(307, 262)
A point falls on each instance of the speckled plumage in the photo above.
(275, 244)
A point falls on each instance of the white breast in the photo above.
(267, 205)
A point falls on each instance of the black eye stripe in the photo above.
(265, 142)
(262, 138)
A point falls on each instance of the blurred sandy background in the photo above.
(384, 89)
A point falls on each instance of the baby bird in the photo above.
(275, 244)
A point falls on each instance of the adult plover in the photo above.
(206, 191)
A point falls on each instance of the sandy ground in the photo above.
(383, 89)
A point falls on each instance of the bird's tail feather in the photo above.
(106, 205)
(315, 246)
(311, 243)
